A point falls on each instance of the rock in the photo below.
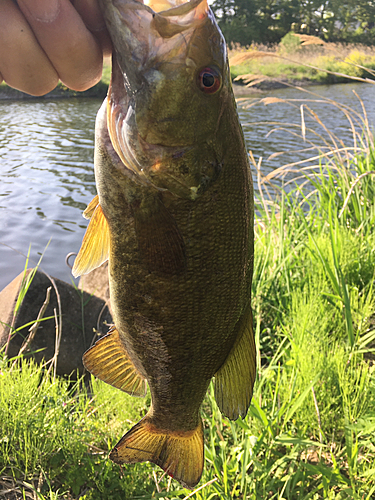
(77, 328)
(96, 283)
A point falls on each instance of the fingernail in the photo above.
(45, 11)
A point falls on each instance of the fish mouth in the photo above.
(140, 32)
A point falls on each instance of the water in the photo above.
(287, 139)
(46, 181)
(46, 166)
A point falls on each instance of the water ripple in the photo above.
(46, 181)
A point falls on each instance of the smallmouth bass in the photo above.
(174, 216)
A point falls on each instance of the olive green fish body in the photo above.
(174, 215)
(177, 317)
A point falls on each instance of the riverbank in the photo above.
(301, 60)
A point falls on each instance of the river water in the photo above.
(46, 163)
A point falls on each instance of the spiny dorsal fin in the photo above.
(179, 454)
(95, 245)
(108, 360)
(235, 379)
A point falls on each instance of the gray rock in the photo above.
(81, 314)
(97, 283)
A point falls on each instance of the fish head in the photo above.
(170, 83)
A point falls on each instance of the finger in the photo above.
(72, 49)
(22, 60)
(105, 41)
(92, 16)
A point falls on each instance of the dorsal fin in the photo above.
(108, 360)
(95, 244)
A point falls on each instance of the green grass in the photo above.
(310, 430)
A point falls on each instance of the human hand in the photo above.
(44, 41)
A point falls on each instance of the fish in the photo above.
(174, 217)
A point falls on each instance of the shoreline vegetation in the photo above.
(310, 430)
(299, 60)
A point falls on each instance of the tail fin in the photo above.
(180, 454)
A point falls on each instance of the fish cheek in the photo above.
(175, 112)
(159, 105)
(160, 242)
(187, 172)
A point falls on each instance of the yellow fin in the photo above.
(95, 244)
(90, 209)
(108, 360)
(179, 454)
(235, 379)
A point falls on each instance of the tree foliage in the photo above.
(267, 21)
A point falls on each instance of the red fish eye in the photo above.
(209, 80)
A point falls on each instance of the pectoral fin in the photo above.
(95, 245)
(235, 379)
(108, 360)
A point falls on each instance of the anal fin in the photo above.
(179, 454)
(94, 250)
(234, 381)
(108, 360)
